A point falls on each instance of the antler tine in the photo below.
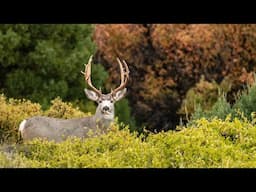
(87, 75)
(124, 75)
(127, 69)
(121, 70)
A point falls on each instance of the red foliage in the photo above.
(168, 59)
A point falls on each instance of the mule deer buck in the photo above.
(60, 129)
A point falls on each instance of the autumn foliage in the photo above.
(167, 60)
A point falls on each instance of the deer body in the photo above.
(60, 129)
(53, 128)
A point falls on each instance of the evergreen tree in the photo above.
(41, 62)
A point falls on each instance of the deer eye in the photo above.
(111, 101)
(100, 101)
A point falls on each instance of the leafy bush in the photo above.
(221, 109)
(243, 108)
(12, 112)
(123, 113)
(14, 161)
(246, 103)
(104, 151)
(205, 94)
(60, 109)
(206, 144)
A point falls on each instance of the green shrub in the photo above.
(243, 108)
(119, 148)
(16, 161)
(204, 93)
(205, 144)
(220, 110)
(212, 144)
(12, 112)
(246, 103)
(123, 112)
(60, 109)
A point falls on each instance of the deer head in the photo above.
(106, 102)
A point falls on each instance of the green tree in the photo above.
(41, 62)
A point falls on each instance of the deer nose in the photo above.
(105, 108)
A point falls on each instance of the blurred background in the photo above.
(174, 67)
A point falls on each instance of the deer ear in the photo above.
(120, 94)
(91, 94)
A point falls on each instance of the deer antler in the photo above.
(87, 75)
(124, 76)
